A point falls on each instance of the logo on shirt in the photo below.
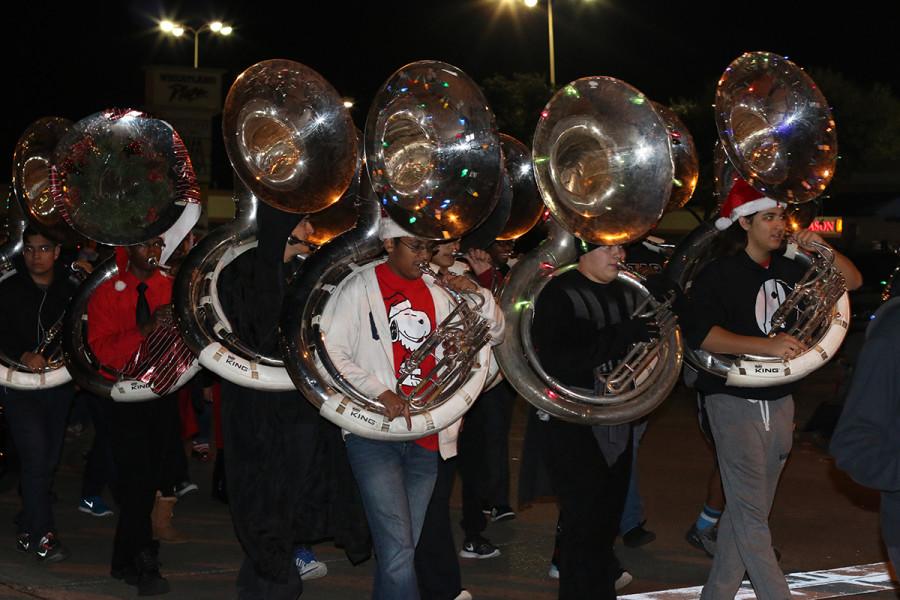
(770, 296)
(409, 327)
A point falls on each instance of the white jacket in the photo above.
(357, 336)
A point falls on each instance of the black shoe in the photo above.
(129, 574)
(23, 543)
(702, 540)
(637, 537)
(149, 580)
(502, 513)
(51, 549)
(477, 546)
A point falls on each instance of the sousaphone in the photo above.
(776, 131)
(603, 163)
(433, 162)
(121, 177)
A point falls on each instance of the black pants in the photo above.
(437, 567)
(271, 440)
(100, 469)
(499, 402)
(175, 466)
(591, 498)
(37, 422)
(139, 434)
(252, 586)
(473, 471)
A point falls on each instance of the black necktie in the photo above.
(142, 312)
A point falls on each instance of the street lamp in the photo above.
(177, 30)
(532, 4)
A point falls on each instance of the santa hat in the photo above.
(389, 229)
(742, 201)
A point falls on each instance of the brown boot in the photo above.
(161, 518)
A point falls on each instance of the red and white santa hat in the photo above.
(742, 201)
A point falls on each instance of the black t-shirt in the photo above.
(575, 327)
(741, 296)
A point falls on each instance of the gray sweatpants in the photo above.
(753, 439)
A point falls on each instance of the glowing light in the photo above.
(226, 30)
(530, 3)
(522, 304)
(215, 26)
(177, 31)
(464, 173)
(348, 103)
(167, 26)
(639, 100)
(412, 220)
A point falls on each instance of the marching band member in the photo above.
(122, 312)
(378, 316)
(734, 299)
(31, 301)
(437, 568)
(277, 446)
(582, 328)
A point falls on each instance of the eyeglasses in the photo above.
(419, 247)
(43, 249)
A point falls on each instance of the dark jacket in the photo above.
(28, 311)
(865, 443)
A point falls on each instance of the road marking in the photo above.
(811, 585)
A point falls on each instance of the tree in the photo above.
(517, 102)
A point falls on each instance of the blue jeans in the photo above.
(633, 513)
(395, 481)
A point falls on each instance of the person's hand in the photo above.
(785, 346)
(394, 406)
(162, 317)
(460, 283)
(805, 239)
(479, 260)
(33, 361)
(84, 266)
(640, 329)
(661, 286)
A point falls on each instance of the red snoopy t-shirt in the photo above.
(410, 311)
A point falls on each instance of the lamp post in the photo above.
(532, 4)
(177, 30)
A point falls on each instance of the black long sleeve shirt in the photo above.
(576, 327)
(27, 310)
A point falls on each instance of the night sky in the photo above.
(71, 61)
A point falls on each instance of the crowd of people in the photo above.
(280, 466)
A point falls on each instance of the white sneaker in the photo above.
(554, 571)
(307, 565)
(464, 595)
(623, 580)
